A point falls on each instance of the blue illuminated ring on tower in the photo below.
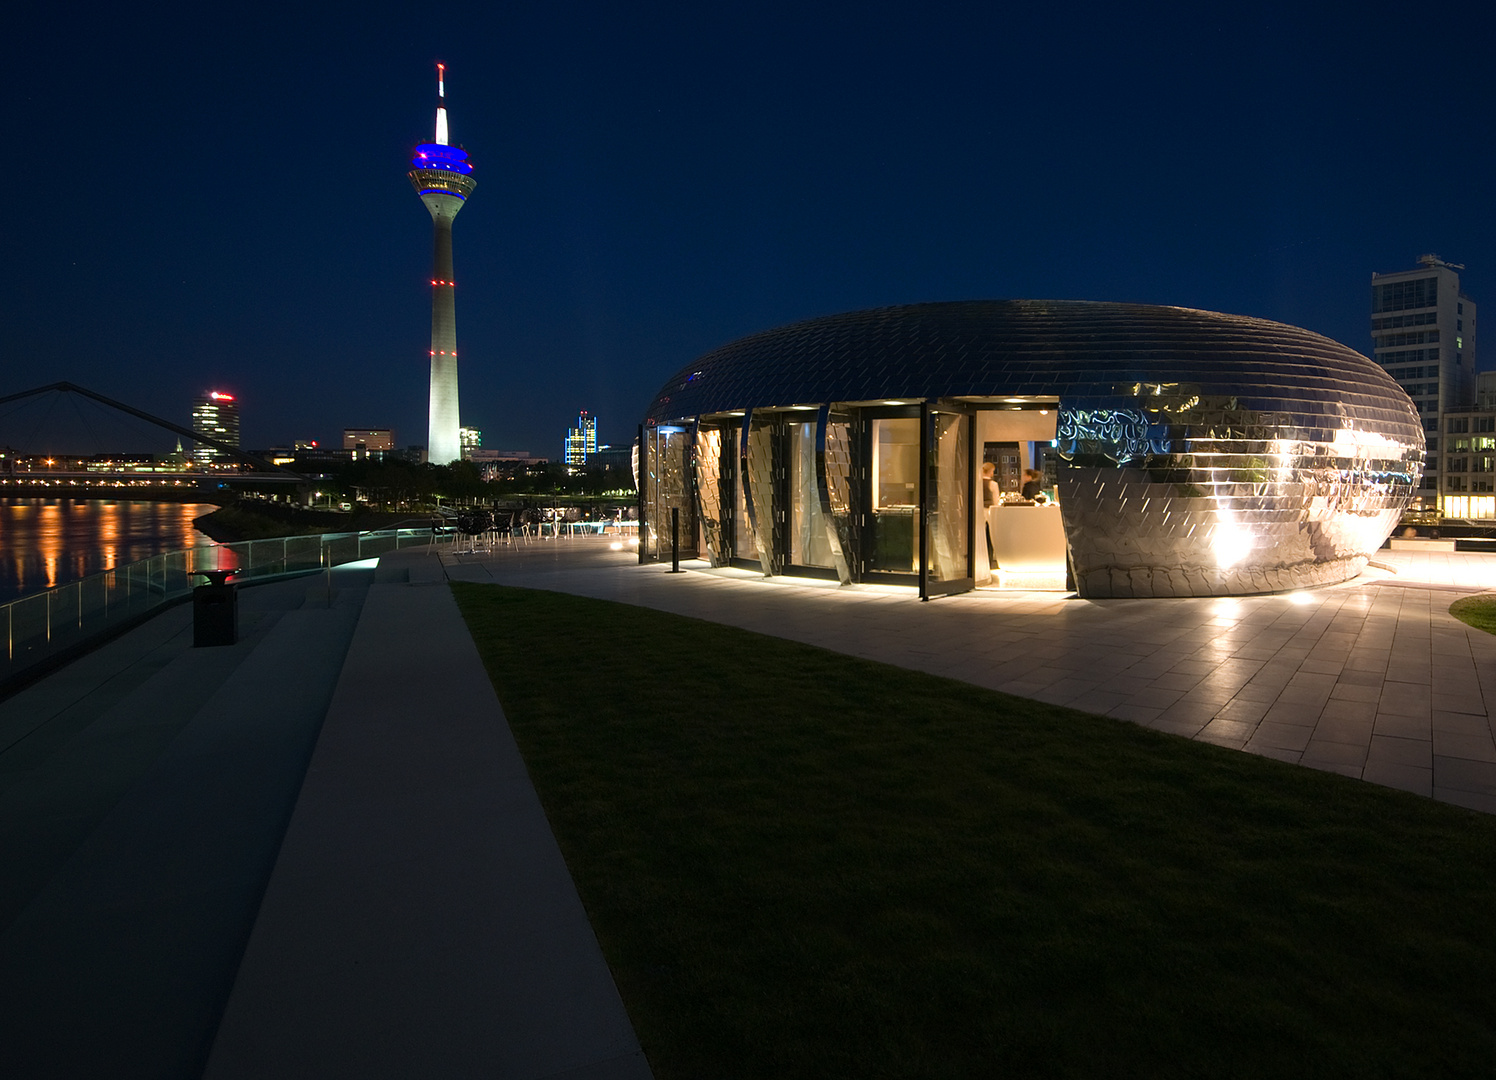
(437, 156)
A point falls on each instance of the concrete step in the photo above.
(121, 961)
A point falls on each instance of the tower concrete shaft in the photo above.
(442, 440)
(442, 176)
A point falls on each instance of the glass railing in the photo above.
(45, 624)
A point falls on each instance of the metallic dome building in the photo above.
(1191, 453)
(443, 178)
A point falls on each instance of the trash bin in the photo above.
(215, 610)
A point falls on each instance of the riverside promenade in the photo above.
(317, 852)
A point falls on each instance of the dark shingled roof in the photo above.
(1082, 352)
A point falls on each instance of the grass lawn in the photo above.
(804, 864)
(1477, 611)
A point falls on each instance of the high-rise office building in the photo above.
(471, 439)
(216, 415)
(443, 178)
(581, 441)
(1423, 333)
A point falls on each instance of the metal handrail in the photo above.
(43, 625)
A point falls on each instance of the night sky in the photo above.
(216, 196)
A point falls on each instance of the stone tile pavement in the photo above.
(1372, 678)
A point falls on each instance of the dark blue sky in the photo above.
(217, 195)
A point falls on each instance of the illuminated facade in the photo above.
(1190, 453)
(442, 176)
(368, 439)
(1467, 481)
(216, 415)
(1423, 334)
(581, 441)
(471, 441)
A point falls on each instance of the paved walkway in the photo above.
(1372, 678)
(315, 853)
(420, 920)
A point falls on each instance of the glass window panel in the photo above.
(760, 469)
(709, 490)
(839, 473)
(744, 543)
(950, 469)
(810, 545)
(893, 544)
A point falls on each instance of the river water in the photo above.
(46, 542)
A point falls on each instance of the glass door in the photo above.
(889, 511)
(946, 499)
(809, 541)
(667, 486)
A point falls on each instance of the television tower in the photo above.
(442, 176)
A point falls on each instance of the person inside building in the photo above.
(989, 500)
(1033, 485)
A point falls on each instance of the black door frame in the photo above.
(862, 491)
(927, 497)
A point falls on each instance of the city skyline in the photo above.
(660, 182)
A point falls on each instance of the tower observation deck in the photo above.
(443, 177)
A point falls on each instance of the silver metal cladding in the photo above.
(1199, 454)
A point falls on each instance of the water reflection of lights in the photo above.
(109, 532)
(49, 528)
(49, 542)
